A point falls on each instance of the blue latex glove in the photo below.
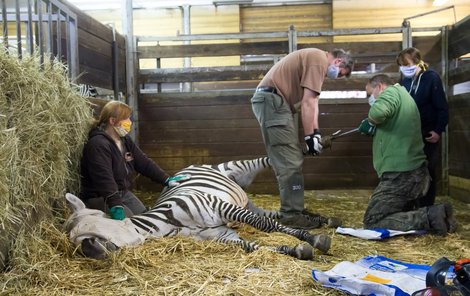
(117, 213)
(175, 180)
(367, 128)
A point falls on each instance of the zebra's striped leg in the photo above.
(229, 236)
(231, 213)
(261, 212)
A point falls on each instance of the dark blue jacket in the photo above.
(106, 172)
(430, 98)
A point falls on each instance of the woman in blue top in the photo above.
(425, 86)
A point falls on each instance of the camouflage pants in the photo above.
(393, 203)
(280, 130)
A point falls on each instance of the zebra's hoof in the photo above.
(322, 242)
(334, 222)
(304, 252)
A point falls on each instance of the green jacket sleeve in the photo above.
(385, 107)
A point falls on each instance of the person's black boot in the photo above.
(437, 219)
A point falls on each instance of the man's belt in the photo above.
(268, 89)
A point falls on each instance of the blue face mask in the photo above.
(372, 100)
(408, 71)
(332, 72)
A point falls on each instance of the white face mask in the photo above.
(408, 71)
(332, 72)
(372, 100)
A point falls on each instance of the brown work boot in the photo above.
(332, 222)
(437, 219)
(450, 220)
(299, 221)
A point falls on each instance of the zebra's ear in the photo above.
(74, 203)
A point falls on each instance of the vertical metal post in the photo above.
(5, 24)
(18, 29)
(292, 36)
(59, 34)
(127, 28)
(186, 30)
(39, 26)
(407, 40)
(159, 84)
(29, 31)
(115, 56)
(50, 43)
(67, 45)
(445, 81)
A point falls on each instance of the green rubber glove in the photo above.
(175, 180)
(117, 213)
(367, 128)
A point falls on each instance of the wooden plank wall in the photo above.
(179, 129)
(95, 43)
(459, 110)
(215, 124)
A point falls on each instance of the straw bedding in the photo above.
(45, 262)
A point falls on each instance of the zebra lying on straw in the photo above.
(200, 207)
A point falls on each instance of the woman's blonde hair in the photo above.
(116, 109)
(414, 55)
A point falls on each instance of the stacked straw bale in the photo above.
(43, 125)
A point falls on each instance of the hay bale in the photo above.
(46, 123)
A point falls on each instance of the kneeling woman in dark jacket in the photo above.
(109, 159)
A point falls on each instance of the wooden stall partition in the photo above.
(459, 110)
(180, 129)
(214, 122)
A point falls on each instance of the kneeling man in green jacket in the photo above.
(400, 163)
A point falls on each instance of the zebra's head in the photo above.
(79, 211)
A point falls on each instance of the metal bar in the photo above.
(131, 58)
(115, 55)
(29, 31)
(68, 46)
(18, 29)
(429, 29)
(292, 37)
(39, 26)
(50, 40)
(73, 44)
(24, 17)
(186, 31)
(445, 81)
(429, 12)
(59, 36)
(338, 32)
(159, 65)
(212, 36)
(407, 40)
(5, 24)
(341, 32)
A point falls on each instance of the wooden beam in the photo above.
(459, 39)
(203, 74)
(459, 74)
(204, 50)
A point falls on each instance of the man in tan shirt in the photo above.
(291, 85)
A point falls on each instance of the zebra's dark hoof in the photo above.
(334, 222)
(320, 241)
(97, 248)
(303, 252)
